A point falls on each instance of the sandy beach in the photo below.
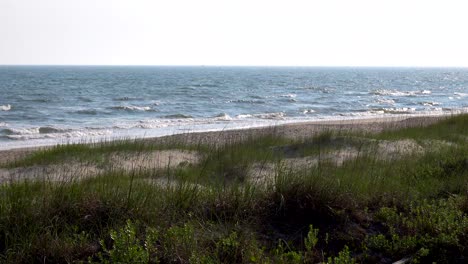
(160, 159)
(293, 130)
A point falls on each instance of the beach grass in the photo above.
(332, 197)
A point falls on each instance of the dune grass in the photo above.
(369, 208)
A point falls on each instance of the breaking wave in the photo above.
(50, 132)
(461, 94)
(222, 117)
(430, 103)
(132, 108)
(385, 101)
(5, 107)
(401, 93)
(279, 116)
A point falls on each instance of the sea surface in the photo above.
(45, 105)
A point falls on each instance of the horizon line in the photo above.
(228, 65)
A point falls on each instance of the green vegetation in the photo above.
(335, 197)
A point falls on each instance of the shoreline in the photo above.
(184, 129)
(289, 130)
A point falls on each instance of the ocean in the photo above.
(47, 105)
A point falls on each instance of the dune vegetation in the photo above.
(332, 197)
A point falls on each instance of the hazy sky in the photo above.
(235, 32)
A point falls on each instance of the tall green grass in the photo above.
(369, 208)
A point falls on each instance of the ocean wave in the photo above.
(85, 99)
(290, 95)
(206, 85)
(460, 94)
(308, 111)
(322, 89)
(278, 115)
(132, 108)
(87, 112)
(51, 132)
(401, 93)
(126, 98)
(222, 117)
(20, 131)
(399, 110)
(34, 130)
(174, 116)
(429, 103)
(364, 114)
(241, 101)
(5, 107)
(385, 101)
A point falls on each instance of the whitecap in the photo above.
(400, 93)
(132, 108)
(385, 101)
(5, 107)
(55, 133)
(21, 131)
(461, 94)
(400, 110)
(430, 103)
(308, 111)
(278, 115)
(289, 95)
(222, 117)
(365, 113)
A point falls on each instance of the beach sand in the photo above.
(292, 130)
(165, 158)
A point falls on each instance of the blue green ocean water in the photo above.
(44, 105)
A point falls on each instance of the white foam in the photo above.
(34, 133)
(430, 103)
(5, 107)
(291, 95)
(461, 94)
(308, 111)
(132, 108)
(22, 131)
(385, 101)
(401, 93)
(244, 116)
(365, 113)
(223, 117)
(400, 110)
(278, 116)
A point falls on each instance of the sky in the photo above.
(236, 32)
